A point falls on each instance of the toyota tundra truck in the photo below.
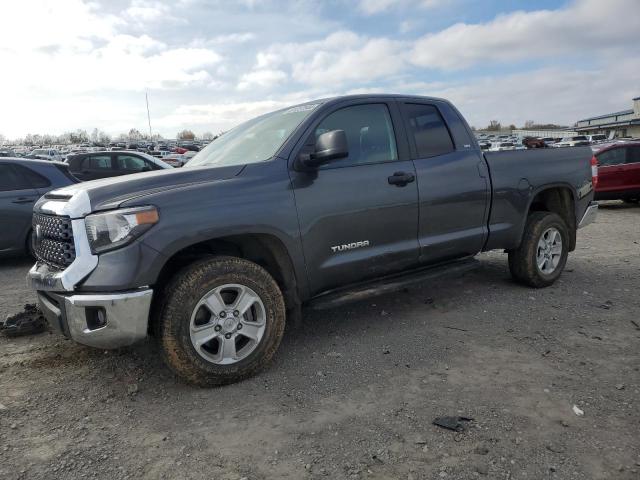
(317, 203)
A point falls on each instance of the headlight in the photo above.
(117, 228)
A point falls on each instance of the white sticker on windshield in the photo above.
(302, 108)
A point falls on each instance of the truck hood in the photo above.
(82, 198)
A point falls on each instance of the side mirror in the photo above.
(329, 146)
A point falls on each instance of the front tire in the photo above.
(543, 251)
(222, 321)
(30, 245)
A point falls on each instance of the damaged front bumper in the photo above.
(99, 320)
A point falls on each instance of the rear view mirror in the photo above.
(329, 146)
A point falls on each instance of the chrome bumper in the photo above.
(590, 215)
(99, 320)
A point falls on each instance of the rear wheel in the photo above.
(542, 254)
(222, 321)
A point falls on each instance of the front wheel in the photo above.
(543, 251)
(222, 321)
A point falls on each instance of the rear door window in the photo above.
(97, 162)
(428, 130)
(34, 179)
(614, 156)
(10, 179)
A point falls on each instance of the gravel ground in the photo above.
(352, 394)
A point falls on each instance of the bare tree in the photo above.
(186, 135)
(494, 126)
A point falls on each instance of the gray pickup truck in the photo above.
(308, 204)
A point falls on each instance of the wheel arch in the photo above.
(266, 250)
(559, 199)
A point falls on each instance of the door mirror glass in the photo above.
(329, 146)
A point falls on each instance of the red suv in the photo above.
(619, 172)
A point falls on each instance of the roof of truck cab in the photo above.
(363, 96)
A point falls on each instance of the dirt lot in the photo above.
(352, 394)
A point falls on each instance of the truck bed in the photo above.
(517, 176)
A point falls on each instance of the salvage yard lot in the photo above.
(353, 392)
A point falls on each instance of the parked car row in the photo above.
(24, 180)
(493, 142)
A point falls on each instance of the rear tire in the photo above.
(538, 261)
(194, 302)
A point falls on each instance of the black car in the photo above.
(93, 165)
(22, 182)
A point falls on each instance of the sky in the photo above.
(207, 65)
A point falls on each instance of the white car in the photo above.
(502, 146)
(46, 154)
(598, 138)
(572, 141)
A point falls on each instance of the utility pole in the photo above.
(146, 96)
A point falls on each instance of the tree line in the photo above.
(99, 137)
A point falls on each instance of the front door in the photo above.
(632, 169)
(358, 215)
(611, 176)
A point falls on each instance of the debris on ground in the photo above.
(28, 322)
(578, 411)
(606, 305)
(457, 424)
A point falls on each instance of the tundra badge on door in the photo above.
(350, 246)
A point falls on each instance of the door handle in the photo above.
(401, 179)
(24, 200)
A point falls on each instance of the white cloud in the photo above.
(263, 78)
(582, 29)
(73, 48)
(340, 58)
(372, 7)
(147, 11)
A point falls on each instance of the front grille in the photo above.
(53, 240)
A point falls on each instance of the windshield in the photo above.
(254, 141)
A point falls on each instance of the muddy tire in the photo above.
(542, 254)
(221, 321)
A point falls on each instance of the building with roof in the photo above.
(625, 123)
(555, 133)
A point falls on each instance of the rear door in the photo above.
(357, 219)
(17, 197)
(611, 176)
(453, 182)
